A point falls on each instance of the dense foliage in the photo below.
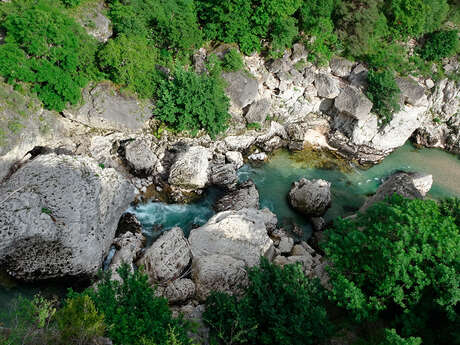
(45, 47)
(132, 312)
(191, 102)
(131, 62)
(168, 24)
(392, 338)
(384, 93)
(280, 306)
(440, 44)
(248, 22)
(401, 257)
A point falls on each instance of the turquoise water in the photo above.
(349, 189)
(273, 180)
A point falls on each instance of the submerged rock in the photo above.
(311, 197)
(168, 256)
(58, 217)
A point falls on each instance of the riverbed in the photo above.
(350, 186)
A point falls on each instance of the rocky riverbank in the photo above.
(67, 179)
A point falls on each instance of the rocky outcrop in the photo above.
(244, 197)
(326, 86)
(310, 197)
(189, 172)
(242, 235)
(258, 111)
(106, 108)
(411, 91)
(168, 256)
(58, 217)
(409, 185)
(94, 19)
(235, 158)
(352, 102)
(241, 88)
(341, 67)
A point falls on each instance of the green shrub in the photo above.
(132, 312)
(168, 24)
(131, 62)
(191, 102)
(384, 93)
(416, 17)
(282, 36)
(48, 49)
(399, 255)
(392, 338)
(254, 125)
(450, 207)
(71, 3)
(79, 322)
(440, 44)
(280, 306)
(232, 61)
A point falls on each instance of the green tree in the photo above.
(131, 62)
(394, 255)
(440, 44)
(49, 50)
(79, 322)
(384, 93)
(190, 102)
(132, 312)
(280, 306)
(232, 61)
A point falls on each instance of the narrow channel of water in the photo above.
(350, 186)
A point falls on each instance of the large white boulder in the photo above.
(168, 256)
(58, 217)
(190, 170)
(242, 235)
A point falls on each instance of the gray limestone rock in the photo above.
(352, 102)
(245, 196)
(235, 158)
(216, 272)
(403, 184)
(177, 291)
(190, 170)
(241, 88)
(140, 157)
(326, 86)
(58, 217)
(128, 247)
(168, 256)
(411, 91)
(224, 176)
(341, 67)
(106, 108)
(311, 197)
(258, 111)
(242, 235)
